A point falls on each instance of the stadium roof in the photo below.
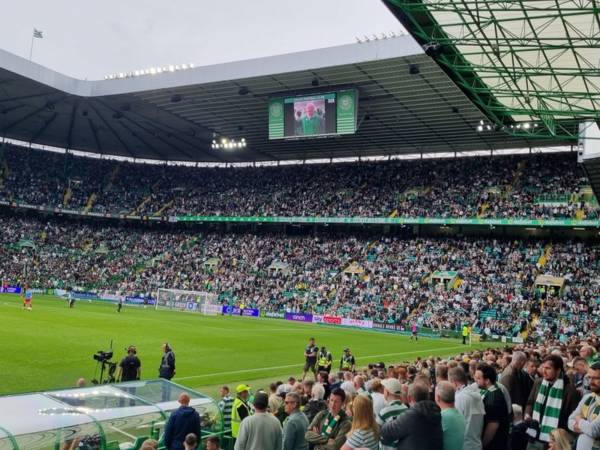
(518, 60)
(407, 104)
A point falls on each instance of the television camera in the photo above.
(106, 366)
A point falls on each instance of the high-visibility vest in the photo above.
(324, 359)
(347, 362)
(235, 416)
(465, 331)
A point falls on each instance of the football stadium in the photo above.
(388, 244)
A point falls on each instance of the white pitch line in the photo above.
(300, 365)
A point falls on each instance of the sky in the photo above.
(90, 39)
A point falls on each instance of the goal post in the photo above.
(192, 301)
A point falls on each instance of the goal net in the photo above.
(192, 301)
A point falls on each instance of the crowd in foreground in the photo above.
(528, 397)
(544, 186)
(524, 398)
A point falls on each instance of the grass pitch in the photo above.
(52, 345)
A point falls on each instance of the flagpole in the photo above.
(31, 48)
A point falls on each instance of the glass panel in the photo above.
(122, 416)
(5, 441)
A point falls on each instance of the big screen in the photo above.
(319, 114)
(309, 116)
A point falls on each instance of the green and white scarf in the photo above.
(553, 397)
(329, 424)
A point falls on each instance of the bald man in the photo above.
(517, 382)
(182, 421)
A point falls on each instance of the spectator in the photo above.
(328, 429)
(559, 440)
(182, 421)
(497, 420)
(392, 392)
(316, 404)
(149, 444)
(275, 401)
(359, 385)
(225, 406)
(364, 433)
(589, 353)
(212, 443)
(518, 432)
(516, 381)
(579, 378)
(376, 390)
(585, 419)
(532, 369)
(453, 423)
(418, 428)
(296, 424)
(260, 431)
(469, 403)
(191, 442)
(553, 398)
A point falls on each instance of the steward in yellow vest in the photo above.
(240, 409)
(324, 360)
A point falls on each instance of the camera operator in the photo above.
(130, 366)
(129, 370)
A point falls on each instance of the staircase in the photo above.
(3, 171)
(113, 176)
(164, 207)
(543, 260)
(482, 208)
(518, 174)
(67, 197)
(141, 205)
(90, 202)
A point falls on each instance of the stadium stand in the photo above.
(490, 283)
(514, 187)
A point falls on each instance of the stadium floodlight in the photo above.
(226, 143)
(480, 128)
(526, 126)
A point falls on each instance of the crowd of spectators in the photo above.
(531, 396)
(381, 278)
(540, 186)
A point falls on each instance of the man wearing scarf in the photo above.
(328, 429)
(585, 420)
(553, 398)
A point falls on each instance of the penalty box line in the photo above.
(300, 365)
